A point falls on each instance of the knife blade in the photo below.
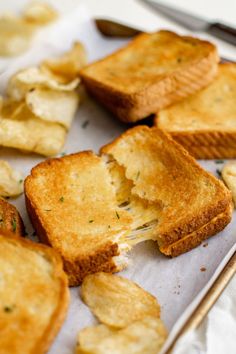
(194, 23)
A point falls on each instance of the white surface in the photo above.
(175, 282)
(216, 335)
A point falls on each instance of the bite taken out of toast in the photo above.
(205, 123)
(153, 71)
(10, 219)
(33, 295)
(93, 209)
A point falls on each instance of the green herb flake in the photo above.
(85, 124)
(8, 309)
(109, 226)
(20, 181)
(219, 161)
(117, 215)
(61, 199)
(13, 223)
(218, 172)
(90, 221)
(138, 174)
(63, 153)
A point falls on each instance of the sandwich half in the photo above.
(153, 71)
(33, 295)
(93, 209)
(205, 123)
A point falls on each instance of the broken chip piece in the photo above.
(11, 181)
(15, 36)
(31, 78)
(140, 337)
(117, 301)
(20, 129)
(68, 65)
(53, 106)
(39, 13)
(229, 177)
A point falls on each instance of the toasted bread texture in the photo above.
(205, 123)
(93, 209)
(33, 295)
(10, 219)
(152, 72)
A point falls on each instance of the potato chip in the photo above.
(15, 35)
(229, 177)
(69, 64)
(117, 301)
(39, 13)
(53, 106)
(145, 336)
(11, 181)
(31, 78)
(22, 130)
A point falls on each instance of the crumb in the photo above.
(203, 269)
(205, 245)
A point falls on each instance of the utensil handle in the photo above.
(223, 31)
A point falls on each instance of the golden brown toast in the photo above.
(10, 219)
(33, 295)
(150, 73)
(93, 209)
(205, 123)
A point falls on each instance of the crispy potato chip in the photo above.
(31, 78)
(15, 35)
(39, 13)
(53, 106)
(145, 336)
(11, 181)
(69, 64)
(117, 301)
(22, 130)
(229, 177)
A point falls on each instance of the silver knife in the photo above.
(195, 23)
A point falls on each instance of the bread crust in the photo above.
(208, 145)
(57, 319)
(10, 219)
(168, 89)
(195, 238)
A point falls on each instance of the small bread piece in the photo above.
(150, 73)
(33, 295)
(140, 337)
(205, 123)
(10, 219)
(117, 301)
(93, 209)
(229, 177)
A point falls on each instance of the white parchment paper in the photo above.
(179, 283)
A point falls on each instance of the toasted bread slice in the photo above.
(205, 123)
(33, 295)
(93, 209)
(10, 219)
(152, 72)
